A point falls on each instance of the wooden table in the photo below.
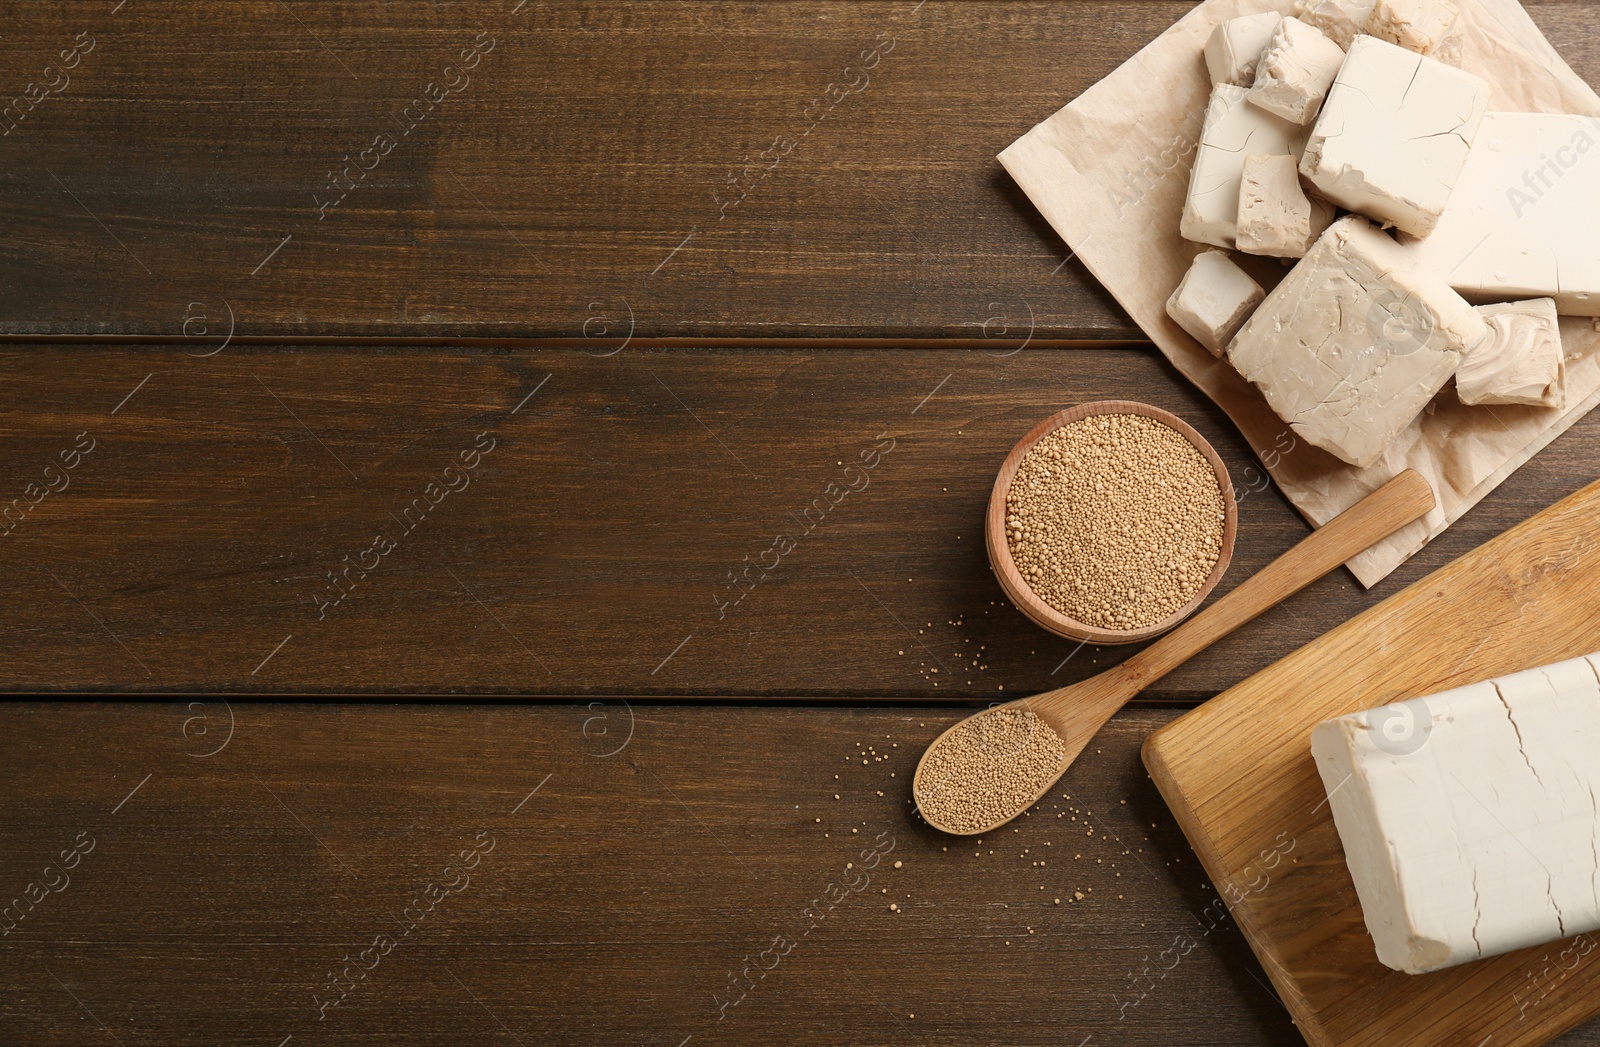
(429, 356)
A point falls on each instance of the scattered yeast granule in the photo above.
(1115, 520)
(987, 769)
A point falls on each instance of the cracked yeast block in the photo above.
(1523, 219)
(1233, 131)
(1393, 135)
(1469, 818)
(1355, 341)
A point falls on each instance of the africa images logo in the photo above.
(1541, 179)
(1401, 729)
(1400, 324)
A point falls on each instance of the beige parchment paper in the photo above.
(1109, 172)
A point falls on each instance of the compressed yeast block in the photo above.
(1232, 131)
(1524, 219)
(1423, 26)
(1468, 817)
(1355, 341)
(1519, 361)
(1340, 20)
(1214, 298)
(1296, 72)
(1394, 134)
(1276, 217)
(1235, 46)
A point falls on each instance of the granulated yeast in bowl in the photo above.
(1115, 520)
(988, 769)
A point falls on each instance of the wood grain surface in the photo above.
(581, 177)
(1238, 773)
(243, 855)
(619, 538)
(241, 364)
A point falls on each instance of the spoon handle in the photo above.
(1378, 515)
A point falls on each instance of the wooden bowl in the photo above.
(1011, 579)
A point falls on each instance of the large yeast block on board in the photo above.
(1470, 818)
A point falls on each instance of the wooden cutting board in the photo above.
(1238, 774)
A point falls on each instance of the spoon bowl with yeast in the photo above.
(992, 766)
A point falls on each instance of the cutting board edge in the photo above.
(1305, 1018)
(1155, 755)
(1221, 703)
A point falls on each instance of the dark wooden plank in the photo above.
(592, 549)
(223, 889)
(242, 855)
(575, 185)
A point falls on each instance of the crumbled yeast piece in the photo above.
(1393, 135)
(1276, 217)
(1519, 361)
(1232, 131)
(1522, 220)
(1468, 818)
(1296, 71)
(1355, 341)
(1235, 47)
(1340, 20)
(1214, 299)
(1422, 26)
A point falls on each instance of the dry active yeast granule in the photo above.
(987, 769)
(1115, 520)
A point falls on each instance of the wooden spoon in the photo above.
(1078, 711)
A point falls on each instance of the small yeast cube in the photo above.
(1394, 134)
(1235, 47)
(1355, 341)
(1232, 131)
(1340, 20)
(1214, 298)
(1276, 217)
(1519, 361)
(1296, 71)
